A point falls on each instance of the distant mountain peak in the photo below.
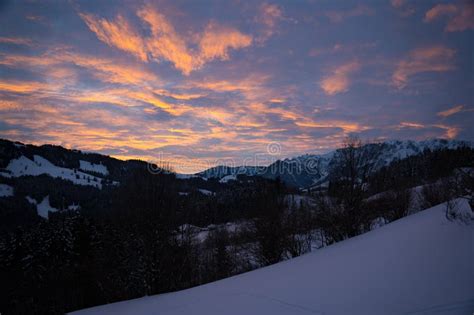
(310, 169)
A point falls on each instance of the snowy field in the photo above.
(421, 264)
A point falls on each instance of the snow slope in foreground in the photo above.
(421, 264)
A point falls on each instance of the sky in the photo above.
(201, 83)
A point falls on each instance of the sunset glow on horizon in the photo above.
(212, 81)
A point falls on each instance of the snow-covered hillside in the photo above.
(24, 166)
(421, 264)
(97, 168)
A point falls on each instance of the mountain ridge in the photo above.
(310, 170)
(303, 172)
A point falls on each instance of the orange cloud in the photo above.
(414, 125)
(92, 129)
(137, 84)
(339, 80)
(217, 40)
(263, 109)
(251, 86)
(107, 70)
(165, 43)
(149, 98)
(111, 96)
(180, 96)
(451, 111)
(22, 86)
(30, 61)
(118, 34)
(63, 74)
(427, 59)
(461, 17)
(219, 114)
(128, 98)
(344, 125)
(9, 105)
(450, 131)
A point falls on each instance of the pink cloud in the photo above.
(461, 17)
(359, 10)
(404, 8)
(451, 111)
(269, 15)
(420, 60)
(397, 3)
(339, 79)
(16, 41)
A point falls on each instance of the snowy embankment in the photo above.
(421, 264)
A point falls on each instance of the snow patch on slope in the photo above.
(6, 190)
(31, 200)
(206, 192)
(23, 166)
(188, 176)
(43, 208)
(421, 264)
(227, 178)
(97, 168)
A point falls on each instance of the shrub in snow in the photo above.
(456, 212)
